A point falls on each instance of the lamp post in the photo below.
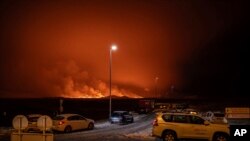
(156, 91)
(112, 48)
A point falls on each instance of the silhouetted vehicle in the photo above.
(121, 117)
(32, 122)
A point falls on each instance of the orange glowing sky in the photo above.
(61, 48)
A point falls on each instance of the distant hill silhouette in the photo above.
(117, 97)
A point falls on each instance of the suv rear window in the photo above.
(196, 120)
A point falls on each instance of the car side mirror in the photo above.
(206, 122)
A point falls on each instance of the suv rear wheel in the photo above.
(169, 136)
(220, 137)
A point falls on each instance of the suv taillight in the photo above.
(155, 122)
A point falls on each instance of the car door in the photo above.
(198, 130)
(182, 126)
(83, 122)
(73, 122)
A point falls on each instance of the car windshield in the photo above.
(58, 118)
(116, 114)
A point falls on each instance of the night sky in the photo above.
(61, 48)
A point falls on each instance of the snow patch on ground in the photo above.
(102, 124)
(5, 130)
(143, 134)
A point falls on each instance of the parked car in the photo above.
(173, 126)
(32, 122)
(215, 117)
(121, 117)
(71, 122)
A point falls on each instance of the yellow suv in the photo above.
(173, 126)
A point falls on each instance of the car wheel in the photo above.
(68, 129)
(169, 136)
(91, 126)
(132, 120)
(220, 137)
(124, 120)
(111, 121)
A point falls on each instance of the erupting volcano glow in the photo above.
(73, 82)
(100, 90)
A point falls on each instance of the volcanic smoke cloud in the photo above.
(64, 79)
(74, 82)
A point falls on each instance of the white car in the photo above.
(215, 117)
(32, 122)
(71, 122)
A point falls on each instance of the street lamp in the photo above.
(112, 48)
(156, 81)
